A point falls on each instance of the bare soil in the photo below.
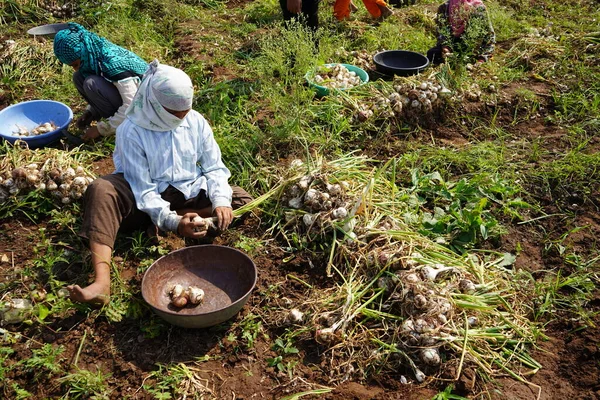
(569, 358)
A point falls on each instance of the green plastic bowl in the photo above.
(323, 91)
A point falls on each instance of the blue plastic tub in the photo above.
(30, 114)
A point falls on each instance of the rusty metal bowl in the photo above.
(226, 275)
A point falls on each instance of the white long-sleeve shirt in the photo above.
(127, 89)
(187, 158)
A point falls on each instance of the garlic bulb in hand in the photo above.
(205, 223)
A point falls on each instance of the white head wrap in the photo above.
(162, 87)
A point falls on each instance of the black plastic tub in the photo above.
(400, 62)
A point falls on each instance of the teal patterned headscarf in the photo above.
(98, 56)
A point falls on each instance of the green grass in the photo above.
(494, 172)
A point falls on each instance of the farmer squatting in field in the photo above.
(106, 75)
(464, 28)
(168, 170)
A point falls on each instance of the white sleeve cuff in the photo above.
(105, 129)
(221, 202)
(171, 222)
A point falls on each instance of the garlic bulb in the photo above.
(430, 356)
(51, 185)
(304, 182)
(334, 189)
(420, 302)
(79, 181)
(309, 219)
(325, 336)
(466, 286)
(295, 316)
(419, 375)
(195, 294)
(180, 301)
(431, 273)
(176, 291)
(295, 203)
(408, 326)
(311, 196)
(339, 213)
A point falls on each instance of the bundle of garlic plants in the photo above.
(399, 302)
(38, 181)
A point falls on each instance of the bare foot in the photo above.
(95, 293)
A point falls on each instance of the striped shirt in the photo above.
(187, 158)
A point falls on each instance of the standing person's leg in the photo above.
(287, 15)
(308, 13)
(341, 9)
(109, 204)
(377, 8)
(310, 9)
(102, 96)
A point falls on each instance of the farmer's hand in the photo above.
(225, 216)
(189, 228)
(90, 134)
(294, 6)
(446, 51)
(85, 119)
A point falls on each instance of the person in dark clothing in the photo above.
(304, 11)
(464, 28)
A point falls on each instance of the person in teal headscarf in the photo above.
(106, 75)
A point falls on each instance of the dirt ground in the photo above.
(570, 357)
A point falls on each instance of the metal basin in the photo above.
(226, 275)
(400, 62)
(48, 31)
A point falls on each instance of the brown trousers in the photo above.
(109, 206)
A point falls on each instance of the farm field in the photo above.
(445, 250)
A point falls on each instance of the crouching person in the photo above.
(168, 170)
(464, 29)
